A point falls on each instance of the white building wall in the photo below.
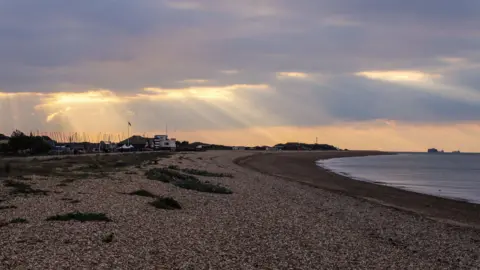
(162, 141)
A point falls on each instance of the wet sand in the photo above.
(300, 167)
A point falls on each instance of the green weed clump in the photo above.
(184, 181)
(4, 207)
(143, 193)
(166, 203)
(78, 216)
(18, 220)
(22, 188)
(206, 173)
(108, 238)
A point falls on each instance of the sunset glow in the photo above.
(245, 73)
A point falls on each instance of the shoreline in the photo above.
(262, 222)
(301, 167)
(381, 183)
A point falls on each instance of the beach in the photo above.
(300, 167)
(281, 212)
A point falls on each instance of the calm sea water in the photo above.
(448, 175)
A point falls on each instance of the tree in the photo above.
(19, 141)
(39, 146)
(4, 148)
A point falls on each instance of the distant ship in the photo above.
(456, 152)
(434, 150)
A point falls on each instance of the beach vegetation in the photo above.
(79, 216)
(72, 201)
(18, 220)
(108, 238)
(143, 193)
(167, 203)
(22, 188)
(5, 207)
(199, 172)
(184, 181)
(206, 173)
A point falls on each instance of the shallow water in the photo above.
(448, 175)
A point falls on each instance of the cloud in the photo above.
(90, 97)
(53, 115)
(400, 76)
(204, 92)
(186, 5)
(223, 65)
(292, 75)
(424, 82)
(229, 71)
(195, 81)
(339, 21)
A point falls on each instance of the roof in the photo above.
(135, 140)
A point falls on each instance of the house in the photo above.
(107, 146)
(162, 142)
(138, 142)
(3, 139)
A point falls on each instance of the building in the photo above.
(106, 146)
(434, 150)
(162, 142)
(138, 142)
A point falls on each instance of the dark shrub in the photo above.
(78, 216)
(143, 193)
(166, 203)
(184, 181)
(18, 220)
(22, 188)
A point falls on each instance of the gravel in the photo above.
(267, 223)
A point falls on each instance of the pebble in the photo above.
(267, 223)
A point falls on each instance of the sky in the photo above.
(358, 74)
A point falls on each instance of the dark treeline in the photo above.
(19, 142)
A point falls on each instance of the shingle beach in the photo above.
(267, 222)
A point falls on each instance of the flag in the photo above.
(129, 124)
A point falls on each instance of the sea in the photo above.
(450, 175)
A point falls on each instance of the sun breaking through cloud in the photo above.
(220, 66)
(292, 75)
(400, 76)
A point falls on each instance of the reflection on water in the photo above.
(447, 175)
